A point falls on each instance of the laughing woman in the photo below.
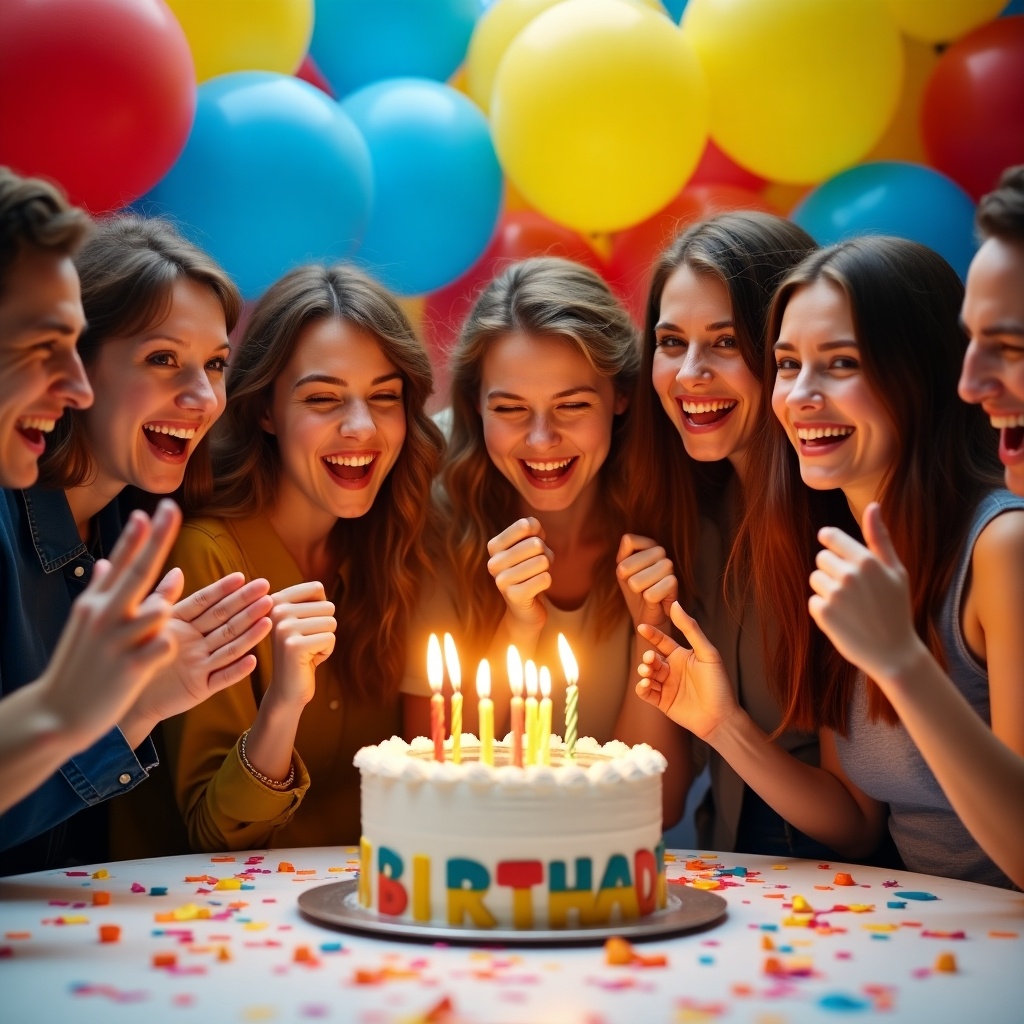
(324, 465)
(158, 312)
(534, 488)
(868, 352)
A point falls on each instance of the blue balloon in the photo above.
(1012, 8)
(893, 198)
(356, 42)
(274, 175)
(676, 9)
(436, 179)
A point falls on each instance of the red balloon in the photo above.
(520, 234)
(635, 249)
(715, 168)
(98, 95)
(972, 117)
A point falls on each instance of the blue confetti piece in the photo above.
(923, 896)
(330, 947)
(769, 927)
(158, 890)
(785, 949)
(896, 904)
(879, 938)
(740, 872)
(243, 886)
(705, 960)
(842, 1003)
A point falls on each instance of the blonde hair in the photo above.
(542, 297)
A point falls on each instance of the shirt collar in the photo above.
(53, 529)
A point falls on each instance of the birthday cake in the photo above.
(570, 844)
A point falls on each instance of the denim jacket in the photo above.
(44, 566)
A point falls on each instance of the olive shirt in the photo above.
(224, 806)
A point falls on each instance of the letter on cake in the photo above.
(468, 883)
(392, 898)
(645, 873)
(420, 887)
(520, 876)
(365, 860)
(562, 898)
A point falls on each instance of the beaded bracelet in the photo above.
(266, 780)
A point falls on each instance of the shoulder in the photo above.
(1000, 544)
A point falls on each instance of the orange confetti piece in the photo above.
(696, 865)
(100, 899)
(165, 959)
(303, 955)
(285, 866)
(223, 954)
(773, 966)
(1003, 935)
(368, 977)
(222, 860)
(706, 883)
(766, 942)
(439, 1012)
(945, 963)
(110, 933)
(617, 952)
(306, 871)
(780, 867)
(14, 936)
(843, 878)
(337, 869)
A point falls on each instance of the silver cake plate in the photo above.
(337, 906)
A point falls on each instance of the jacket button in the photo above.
(79, 571)
(125, 779)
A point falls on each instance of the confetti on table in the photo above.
(285, 866)
(943, 935)
(222, 860)
(110, 933)
(102, 873)
(945, 963)
(165, 959)
(843, 1003)
(100, 898)
(922, 896)
(1003, 935)
(843, 878)
(136, 887)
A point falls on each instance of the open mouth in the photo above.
(549, 471)
(1011, 435)
(822, 439)
(33, 429)
(707, 413)
(350, 469)
(169, 441)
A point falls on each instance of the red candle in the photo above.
(435, 676)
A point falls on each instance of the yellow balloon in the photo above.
(800, 89)
(254, 35)
(500, 24)
(599, 113)
(942, 21)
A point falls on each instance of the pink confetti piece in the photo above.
(136, 887)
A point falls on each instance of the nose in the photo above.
(977, 382)
(694, 368)
(73, 387)
(357, 421)
(199, 392)
(542, 434)
(804, 391)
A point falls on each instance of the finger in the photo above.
(311, 591)
(878, 537)
(823, 584)
(832, 564)
(134, 534)
(171, 586)
(231, 674)
(307, 610)
(529, 590)
(630, 543)
(310, 627)
(237, 649)
(99, 572)
(148, 658)
(644, 579)
(662, 642)
(816, 606)
(531, 547)
(842, 544)
(235, 603)
(238, 625)
(208, 597)
(663, 591)
(150, 620)
(140, 573)
(527, 570)
(687, 625)
(519, 530)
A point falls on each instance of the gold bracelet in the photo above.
(266, 780)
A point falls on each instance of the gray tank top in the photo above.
(884, 762)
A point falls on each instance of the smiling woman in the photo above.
(324, 464)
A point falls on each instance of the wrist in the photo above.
(905, 668)
(522, 633)
(136, 725)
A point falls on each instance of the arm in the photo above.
(691, 687)
(862, 603)
(115, 641)
(648, 583)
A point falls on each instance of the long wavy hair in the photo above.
(749, 253)
(128, 269)
(542, 297)
(905, 302)
(385, 549)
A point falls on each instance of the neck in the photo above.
(572, 526)
(87, 500)
(740, 464)
(305, 535)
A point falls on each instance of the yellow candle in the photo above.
(532, 746)
(485, 711)
(544, 722)
(435, 676)
(572, 695)
(451, 660)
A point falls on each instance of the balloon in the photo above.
(715, 168)
(892, 198)
(437, 182)
(799, 89)
(599, 113)
(98, 95)
(520, 234)
(274, 175)
(309, 72)
(635, 249)
(261, 35)
(902, 139)
(942, 21)
(356, 42)
(972, 118)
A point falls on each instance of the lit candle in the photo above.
(451, 660)
(572, 695)
(435, 676)
(485, 711)
(515, 682)
(544, 724)
(530, 672)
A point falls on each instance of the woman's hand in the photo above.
(690, 686)
(647, 580)
(520, 563)
(303, 638)
(861, 599)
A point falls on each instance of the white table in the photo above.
(255, 958)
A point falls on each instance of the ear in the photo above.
(267, 421)
(621, 403)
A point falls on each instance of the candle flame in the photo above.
(569, 665)
(435, 669)
(545, 682)
(483, 680)
(515, 671)
(451, 660)
(530, 670)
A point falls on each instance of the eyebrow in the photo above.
(581, 389)
(157, 336)
(324, 378)
(717, 325)
(1010, 327)
(48, 324)
(825, 346)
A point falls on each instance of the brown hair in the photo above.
(35, 215)
(385, 549)
(904, 300)
(128, 270)
(1000, 214)
(543, 297)
(749, 253)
